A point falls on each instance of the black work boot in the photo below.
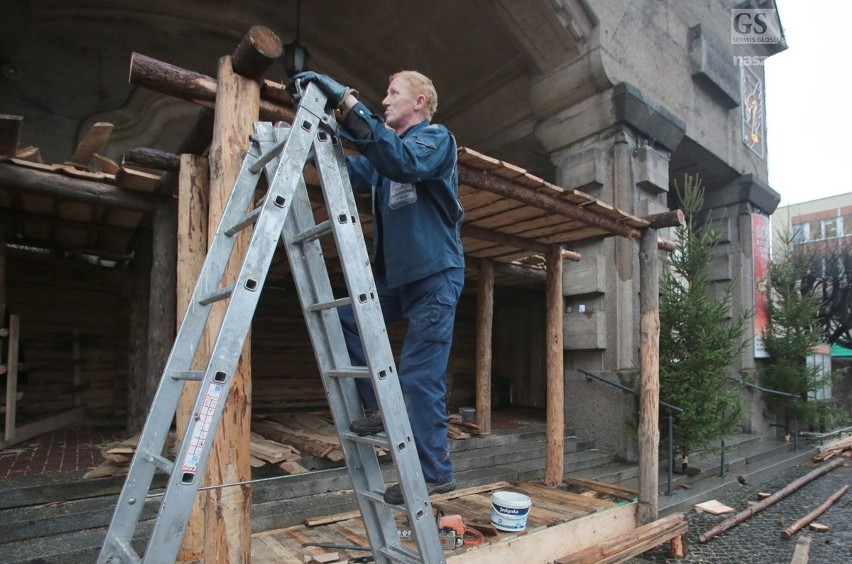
(369, 425)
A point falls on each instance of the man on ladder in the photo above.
(409, 165)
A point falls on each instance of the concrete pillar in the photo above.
(731, 208)
(616, 147)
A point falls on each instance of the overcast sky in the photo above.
(809, 102)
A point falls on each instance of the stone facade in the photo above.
(617, 99)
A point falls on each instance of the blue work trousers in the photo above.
(428, 306)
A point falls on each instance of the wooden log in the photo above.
(92, 142)
(228, 510)
(31, 181)
(484, 329)
(484, 180)
(671, 218)
(193, 196)
(649, 349)
(554, 350)
(256, 52)
(192, 86)
(666, 245)
(10, 132)
(153, 158)
(799, 524)
(774, 498)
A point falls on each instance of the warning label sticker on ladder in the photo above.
(200, 428)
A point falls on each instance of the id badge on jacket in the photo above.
(401, 195)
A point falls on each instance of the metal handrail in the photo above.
(670, 409)
(777, 393)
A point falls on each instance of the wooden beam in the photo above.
(31, 181)
(554, 351)
(60, 421)
(193, 195)
(631, 544)
(484, 180)
(228, 510)
(476, 232)
(671, 218)
(153, 158)
(259, 48)
(484, 329)
(10, 133)
(92, 142)
(649, 360)
(193, 87)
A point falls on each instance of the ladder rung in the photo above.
(400, 554)
(270, 154)
(249, 219)
(218, 295)
(314, 232)
(190, 375)
(126, 550)
(160, 462)
(374, 497)
(350, 372)
(329, 305)
(379, 440)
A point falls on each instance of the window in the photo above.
(847, 225)
(800, 234)
(814, 230)
(829, 228)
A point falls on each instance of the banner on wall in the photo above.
(760, 237)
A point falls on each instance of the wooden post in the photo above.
(137, 408)
(228, 510)
(12, 376)
(193, 195)
(161, 299)
(555, 457)
(484, 326)
(649, 391)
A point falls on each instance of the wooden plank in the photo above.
(26, 432)
(800, 553)
(610, 489)
(630, 544)
(92, 142)
(435, 498)
(547, 544)
(10, 132)
(32, 154)
(137, 180)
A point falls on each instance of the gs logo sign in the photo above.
(755, 26)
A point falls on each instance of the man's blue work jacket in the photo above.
(417, 215)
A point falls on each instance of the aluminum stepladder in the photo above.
(286, 213)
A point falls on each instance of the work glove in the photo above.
(334, 91)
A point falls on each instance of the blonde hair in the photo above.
(421, 84)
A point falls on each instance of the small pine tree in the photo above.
(791, 334)
(698, 340)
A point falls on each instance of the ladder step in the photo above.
(126, 550)
(379, 440)
(330, 305)
(400, 554)
(160, 462)
(218, 295)
(249, 219)
(350, 372)
(190, 376)
(314, 232)
(270, 154)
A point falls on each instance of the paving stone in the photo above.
(758, 539)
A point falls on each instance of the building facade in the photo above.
(619, 100)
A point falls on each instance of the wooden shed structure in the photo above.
(140, 235)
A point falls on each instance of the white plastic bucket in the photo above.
(509, 511)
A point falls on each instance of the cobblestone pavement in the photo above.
(758, 539)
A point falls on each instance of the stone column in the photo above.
(616, 147)
(731, 208)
